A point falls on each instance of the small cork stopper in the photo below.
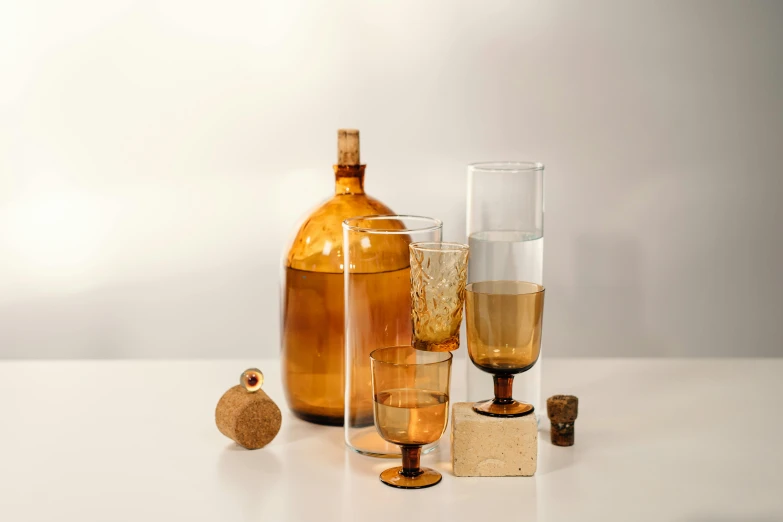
(562, 411)
(348, 147)
(251, 419)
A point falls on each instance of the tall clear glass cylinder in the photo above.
(505, 229)
(377, 311)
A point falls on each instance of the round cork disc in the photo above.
(251, 420)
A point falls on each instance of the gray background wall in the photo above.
(156, 156)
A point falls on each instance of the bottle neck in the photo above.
(348, 179)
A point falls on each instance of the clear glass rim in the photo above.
(441, 357)
(431, 224)
(540, 289)
(439, 246)
(507, 166)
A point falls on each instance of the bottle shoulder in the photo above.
(318, 243)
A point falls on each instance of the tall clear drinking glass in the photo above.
(505, 228)
(377, 280)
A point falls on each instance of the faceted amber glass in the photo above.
(438, 275)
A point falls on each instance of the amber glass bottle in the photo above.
(312, 334)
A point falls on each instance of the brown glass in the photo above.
(438, 274)
(504, 321)
(411, 408)
(312, 336)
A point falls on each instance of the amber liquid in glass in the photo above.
(410, 416)
(386, 298)
(504, 320)
(312, 316)
(314, 341)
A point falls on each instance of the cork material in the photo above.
(251, 420)
(483, 446)
(562, 411)
(348, 147)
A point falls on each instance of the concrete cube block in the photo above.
(483, 446)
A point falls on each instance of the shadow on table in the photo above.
(294, 430)
(553, 458)
(238, 464)
(248, 474)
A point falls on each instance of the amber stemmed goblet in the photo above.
(504, 320)
(438, 275)
(411, 407)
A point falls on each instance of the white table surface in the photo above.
(685, 440)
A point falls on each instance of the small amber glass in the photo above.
(411, 408)
(438, 275)
(504, 321)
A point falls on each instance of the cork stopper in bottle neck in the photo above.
(348, 147)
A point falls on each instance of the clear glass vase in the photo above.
(505, 228)
(377, 311)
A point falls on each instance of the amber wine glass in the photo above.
(438, 275)
(411, 407)
(504, 320)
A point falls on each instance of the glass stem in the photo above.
(411, 461)
(503, 386)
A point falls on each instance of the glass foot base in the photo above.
(447, 345)
(511, 409)
(393, 477)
